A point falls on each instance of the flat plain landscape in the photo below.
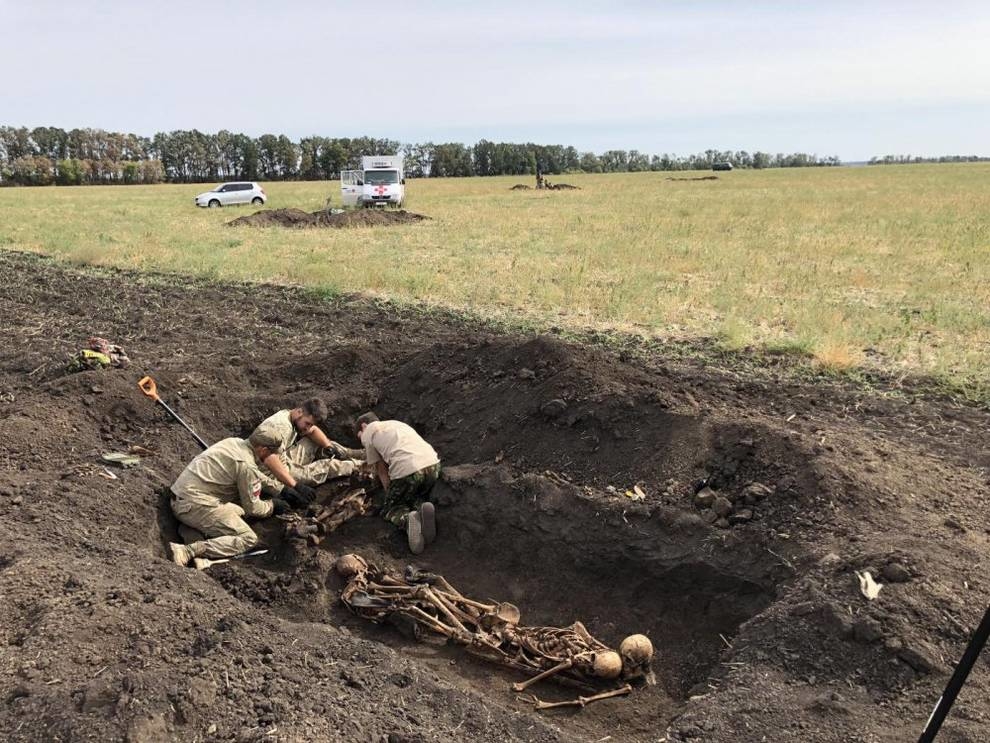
(700, 410)
(875, 268)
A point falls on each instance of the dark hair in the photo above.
(316, 408)
(365, 418)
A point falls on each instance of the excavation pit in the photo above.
(564, 548)
(561, 555)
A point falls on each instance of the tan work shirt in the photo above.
(224, 473)
(399, 446)
(280, 426)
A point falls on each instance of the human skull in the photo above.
(607, 665)
(636, 652)
(350, 565)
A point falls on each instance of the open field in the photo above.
(871, 266)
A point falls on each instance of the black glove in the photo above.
(293, 497)
(281, 506)
(306, 492)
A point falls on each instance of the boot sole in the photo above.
(414, 533)
(428, 519)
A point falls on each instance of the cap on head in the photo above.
(265, 439)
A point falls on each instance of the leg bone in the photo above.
(522, 686)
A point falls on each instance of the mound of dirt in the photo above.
(521, 187)
(560, 187)
(697, 178)
(760, 628)
(349, 218)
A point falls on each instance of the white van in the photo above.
(380, 182)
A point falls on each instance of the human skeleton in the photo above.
(426, 603)
(353, 503)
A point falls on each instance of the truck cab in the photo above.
(380, 182)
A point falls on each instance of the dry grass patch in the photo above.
(853, 266)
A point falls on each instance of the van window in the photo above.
(381, 177)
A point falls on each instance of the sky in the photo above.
(853, 79)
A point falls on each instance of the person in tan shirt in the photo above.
(216, 491)
(407, 467)
(305, 456)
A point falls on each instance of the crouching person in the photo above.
(214, 494)
(305, 457)
(408, 467)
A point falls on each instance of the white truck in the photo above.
(380, 182)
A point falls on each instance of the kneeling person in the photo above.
(296, 465)
(408, 467)
(216, 491)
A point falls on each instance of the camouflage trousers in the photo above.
(304, 464)
(407, 493)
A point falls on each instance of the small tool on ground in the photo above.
(202, 563)
(965, 665)
(148, 387)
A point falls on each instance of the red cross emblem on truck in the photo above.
(380, 189)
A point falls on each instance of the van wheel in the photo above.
(257, 200)
(214, 203)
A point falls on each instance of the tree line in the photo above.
(49, 155)
(915, 159)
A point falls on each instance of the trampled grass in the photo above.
(851, 266)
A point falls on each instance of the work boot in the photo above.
(428, 519)
(414, 533)
(181, 553)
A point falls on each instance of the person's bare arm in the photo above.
(279, 470)
(383, 473)
(316, 435)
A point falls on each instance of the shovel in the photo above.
(202, 563)
(148, 387)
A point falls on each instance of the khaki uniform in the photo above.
(413, 466)
(299, 454)
(213, 494)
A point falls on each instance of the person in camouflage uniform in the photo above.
(407, 467)
(305, 456)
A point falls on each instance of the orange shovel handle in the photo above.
(148, 387)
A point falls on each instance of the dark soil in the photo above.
(349, 218)
(760, 629)
(695, 178)
(521, 187)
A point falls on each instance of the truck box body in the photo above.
(380, 182)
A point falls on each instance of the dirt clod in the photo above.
(895, 573)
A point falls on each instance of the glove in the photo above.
(306, 492)
(294, 498)
(281, 506)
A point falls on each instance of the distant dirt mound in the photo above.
(698, 178)
(353, 218)
(561, 187)
(521, 187)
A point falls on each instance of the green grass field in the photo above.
(851, 266)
